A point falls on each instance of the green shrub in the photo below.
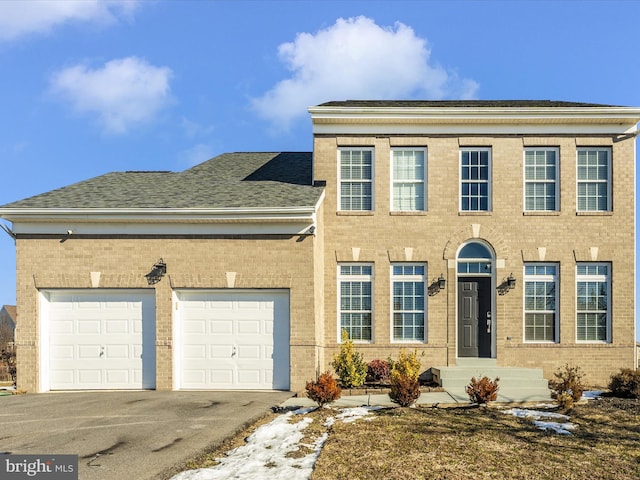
(568, 380)
(482, 390)
(324, 390)
(349, 364)
(405, 390)
(625, 384)
(407, 364)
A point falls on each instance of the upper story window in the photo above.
(356, 179)
(541, 179)
(594, 179)
(540, 302)
(408, 174)
(593, 286)
(475, 179)
(356, 307)
(408, 283)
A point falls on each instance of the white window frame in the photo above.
(407, 279)
(594, 181)
(555, 181)
(547, 278)
(421, 181)
(600, 278)
(354, 278)
(470, 181)
(362, 181)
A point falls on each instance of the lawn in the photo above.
(437, 443)
(475, 443)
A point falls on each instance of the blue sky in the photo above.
(89, 87)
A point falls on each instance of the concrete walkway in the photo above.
(428, 399)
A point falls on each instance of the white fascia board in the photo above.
(464, 120)
(487, 129)
(290, 220)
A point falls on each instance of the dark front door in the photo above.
(474, 317)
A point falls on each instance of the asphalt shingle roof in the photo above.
(231, 180)
(459, 103)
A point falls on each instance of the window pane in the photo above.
(355, 301)
(408, 303)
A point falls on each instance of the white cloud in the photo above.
(24, 17)
(197, 154)
(357, 59)
(123, 93)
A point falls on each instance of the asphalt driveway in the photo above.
(140, 435)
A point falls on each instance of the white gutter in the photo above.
(157, 214)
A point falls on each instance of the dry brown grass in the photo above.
(465, 443)
(469, 443)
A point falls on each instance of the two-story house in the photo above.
(499, 230)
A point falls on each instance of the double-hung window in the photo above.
(541, 179)
(356, 179)
(540, 302)
(594, 179)
(409, 312)
(355, 293)
(592, 309)
(408, 173)
(475, 179)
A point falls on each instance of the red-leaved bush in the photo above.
(377, 371)
(324, 390)
(482, 390)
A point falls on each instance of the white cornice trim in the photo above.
(158, 215)
(149, 221)
(474, 120)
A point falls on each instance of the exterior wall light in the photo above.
(437, 285)
(511, 281)
(158, 271)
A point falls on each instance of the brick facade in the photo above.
(281, 262)
(564, 237)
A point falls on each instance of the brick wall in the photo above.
(434, 236)
(258, 262)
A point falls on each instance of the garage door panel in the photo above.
(88, 352)
(249, 352)
(101, 340)
(62, 326)
(118, 352)
(90, 378)
(88, 326)
(220, 352)
(223, 326)
(240, 339)
(195, 326)
(249, 326)
(195, 351)
(114, 327)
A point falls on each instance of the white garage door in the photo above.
(100, 340)
(233, 340)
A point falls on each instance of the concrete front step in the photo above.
(516, 384)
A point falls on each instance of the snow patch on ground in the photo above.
(265, 453)
(591, 395)
(562, 427)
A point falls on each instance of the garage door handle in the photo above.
(233, 353)
(101, 351)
